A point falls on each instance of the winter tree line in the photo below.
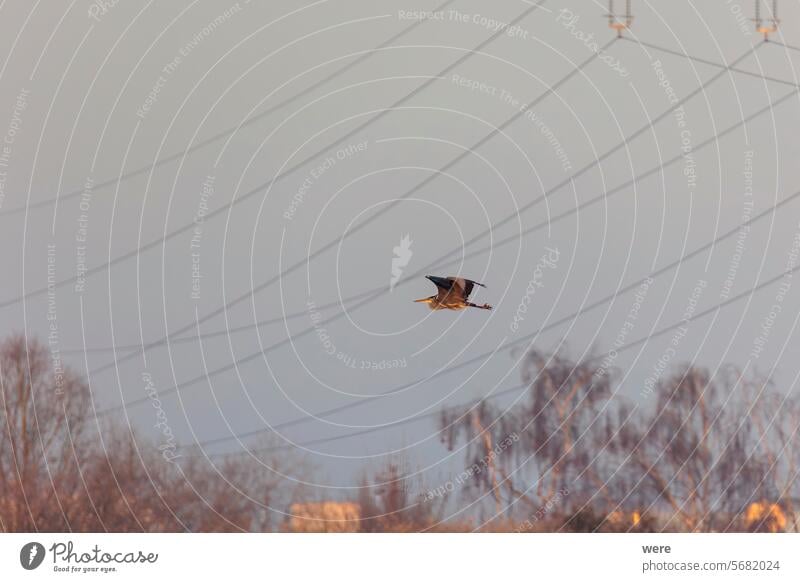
(701, 451)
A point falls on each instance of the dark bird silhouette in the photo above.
(453, 293)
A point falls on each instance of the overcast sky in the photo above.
(89, 94)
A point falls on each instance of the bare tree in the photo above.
(775, 418)
(555, 431)
(61, 471)
(392, 501)
(42, 438)
(695, 452)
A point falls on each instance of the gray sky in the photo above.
(90, 98)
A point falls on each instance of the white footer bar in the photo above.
(401, 557)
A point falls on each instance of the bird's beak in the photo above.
(423, 300)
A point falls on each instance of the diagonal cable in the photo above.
(231, 130)
(266, 185)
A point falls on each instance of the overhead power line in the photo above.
(606, 195)
(231, 130)
(283, 174)
(368, 299)
(518, 388)
(710, 62)
(602, 301)
(363, 432)
(784, 45)
(164, 339)
(421, 184)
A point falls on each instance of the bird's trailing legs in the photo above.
(484, 306)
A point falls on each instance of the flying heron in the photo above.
(453, 293)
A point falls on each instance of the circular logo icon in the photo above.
(31, 555)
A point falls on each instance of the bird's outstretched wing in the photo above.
(441, 282)
(466, 284)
